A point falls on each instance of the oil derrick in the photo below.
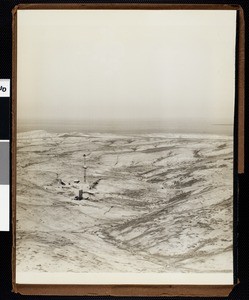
(84, 187)
(84, 167)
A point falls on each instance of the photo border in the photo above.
(136, 290)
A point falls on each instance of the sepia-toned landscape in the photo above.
(156, 202)
(125, 149)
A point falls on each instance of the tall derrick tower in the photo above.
(84, 167)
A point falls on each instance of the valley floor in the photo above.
(152, 203)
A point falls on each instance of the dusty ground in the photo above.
(161, 203)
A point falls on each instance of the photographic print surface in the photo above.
(125, 146)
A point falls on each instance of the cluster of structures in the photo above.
(83, 190)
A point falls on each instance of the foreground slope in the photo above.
(157, 203)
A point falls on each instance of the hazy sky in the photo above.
(86, 64)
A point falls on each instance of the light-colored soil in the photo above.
(161, 203)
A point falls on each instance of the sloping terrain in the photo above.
(152, 203)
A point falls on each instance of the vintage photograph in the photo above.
(124, 159)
